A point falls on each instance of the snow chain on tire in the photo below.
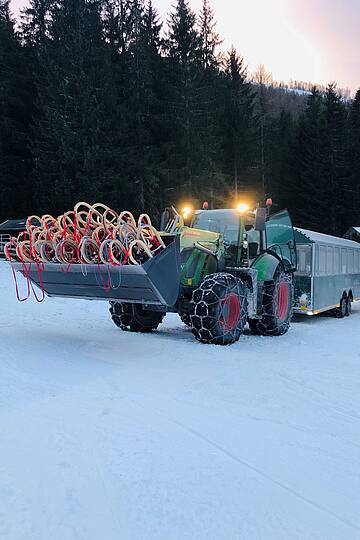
(218, 310)
(185, 318)
(133, 318)
(278, 301)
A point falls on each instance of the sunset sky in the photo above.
(310, 40)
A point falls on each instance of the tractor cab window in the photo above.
(253, 240)
(227, 223)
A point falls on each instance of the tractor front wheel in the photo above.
(185, 318)
(134, 318)
(219, 309)
(277, 307)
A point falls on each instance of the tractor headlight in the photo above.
(186, 212)
(242, 208)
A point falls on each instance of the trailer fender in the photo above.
(266, 266)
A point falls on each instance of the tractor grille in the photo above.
(4, 239)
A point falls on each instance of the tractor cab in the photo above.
(247, 234)
(242, 240)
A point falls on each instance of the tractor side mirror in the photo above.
(260, 219)
(165, 218)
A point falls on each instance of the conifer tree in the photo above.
(152, 29)
(75, 132)
(354, 159)
(263, 81)
(280, 160)
(140, 121)
(210, 178)
(309, 206)
(184, 101)
(238, 121)
(143, 106)
(336, 171)
(35, 22)
(15, 110)
(183, 41)
(210, 39)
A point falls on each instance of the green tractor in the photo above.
(230, 267)
(220, 270)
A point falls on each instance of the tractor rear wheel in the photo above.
(277, 307)
(219, 309)
(134, 318)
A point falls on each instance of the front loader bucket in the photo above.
(156, 282)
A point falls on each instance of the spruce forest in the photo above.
(102, 101)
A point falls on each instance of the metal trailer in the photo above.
(328, 274)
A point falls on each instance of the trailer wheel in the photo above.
(348, 307)
(277, 307)
(219, 309)
(342, 311)
(134, 318)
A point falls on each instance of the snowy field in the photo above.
(112, 436)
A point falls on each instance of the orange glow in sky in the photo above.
(310, 40)
(266, 34)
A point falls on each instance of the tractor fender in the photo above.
(266, 266)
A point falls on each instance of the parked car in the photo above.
(10, 227)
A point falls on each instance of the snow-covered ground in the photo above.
(112, 436)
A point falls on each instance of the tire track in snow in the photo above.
(253, 468)
(338, 410)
